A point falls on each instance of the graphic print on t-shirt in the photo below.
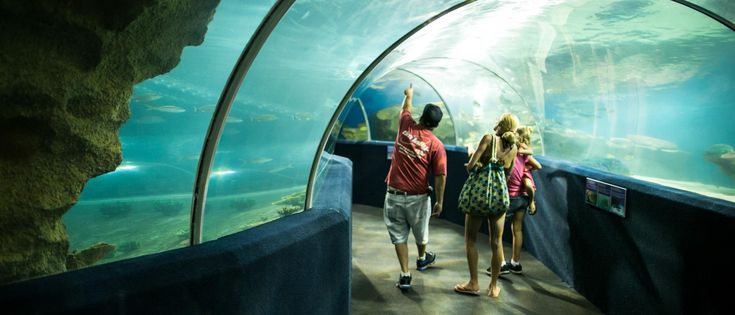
(420, 150)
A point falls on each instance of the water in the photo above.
(270, 138)
(649, 107)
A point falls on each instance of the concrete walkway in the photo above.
(375, 270)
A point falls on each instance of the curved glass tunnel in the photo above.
(636, 88)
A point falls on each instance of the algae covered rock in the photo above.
(88, 256)
(68, 72)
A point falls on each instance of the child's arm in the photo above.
(524, 149)
(532, 164)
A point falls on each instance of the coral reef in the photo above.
(68, 72)
(722, 155)
(295, 199)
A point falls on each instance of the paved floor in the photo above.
(375, 271)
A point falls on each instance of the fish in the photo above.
(264, 118)
(652, 142)
(280, 169)
(148, 97)
(166, 109)
(303, 116)
(233, 120)
(260, 160)
(205, 108)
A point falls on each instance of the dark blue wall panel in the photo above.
(669, 255)
(666, 256)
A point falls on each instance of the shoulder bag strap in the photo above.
(494, 154)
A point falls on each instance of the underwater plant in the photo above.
(289, 210)
(294, 199)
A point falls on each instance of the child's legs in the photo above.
(531, 192)
(528, 188)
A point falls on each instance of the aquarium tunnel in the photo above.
(204, 156)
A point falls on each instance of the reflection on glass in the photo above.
(289, 96)
(383, 99)
(352, 124)
(723, 8)
(144, 206)
(648, 103)
(620, 86)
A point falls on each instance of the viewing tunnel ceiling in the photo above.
(629, 87)
(639, 88)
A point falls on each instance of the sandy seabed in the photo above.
(719, 192)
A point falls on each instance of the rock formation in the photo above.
(88, 256)
(68, 68)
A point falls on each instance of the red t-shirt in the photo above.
(417, 150)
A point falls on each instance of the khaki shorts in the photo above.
(403, 213)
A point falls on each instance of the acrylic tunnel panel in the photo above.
(144, 206)
(475, 94)
(637, 88)
(352, 123)
(283, 107)
(382, 101)
(644, 90)
(723, 8)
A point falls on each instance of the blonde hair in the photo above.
(509, 139)
(524, 134)
(507, 122)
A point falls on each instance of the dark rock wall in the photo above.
(67, 69)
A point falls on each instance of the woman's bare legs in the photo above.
(471, 228)
(495, 224)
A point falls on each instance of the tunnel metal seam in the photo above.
(451, 117)
(707, 12)
(481, 66)
(365, 116)
(328, 130)
(214, 132)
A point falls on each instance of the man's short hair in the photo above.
(432, 116)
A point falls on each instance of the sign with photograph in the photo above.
(606, 196)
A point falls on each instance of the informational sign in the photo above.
(390, 152)
(606, 196)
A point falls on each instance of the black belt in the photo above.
(398, 192)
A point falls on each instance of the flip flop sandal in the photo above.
(460, 288)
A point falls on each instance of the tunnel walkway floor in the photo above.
(375, 270)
